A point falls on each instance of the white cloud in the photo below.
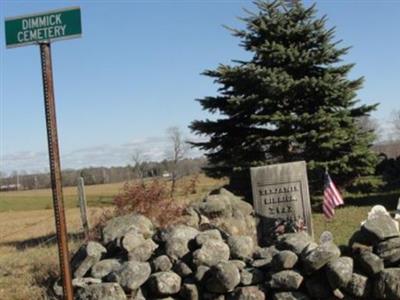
(152, 148)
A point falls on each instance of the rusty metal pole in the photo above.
(55, 169)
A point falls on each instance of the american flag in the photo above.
(332, 197)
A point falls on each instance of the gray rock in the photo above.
(189, 291)
(238, 263)
(248, 293)
(389, 244)
(84, 281)
(213, 296)
(211, 253)
(104, 267)
(212, 234)
(117, 227)
(138, 295)
(317, 285)
(290, 296)
(295, 242)
(251, 276)
(387, 284)
(359, 286)
(265, 252)
(201, 272)
(241, 247)
(214, 206)
(165, 283)
(179, 231)
(320, 256)
(285, 259)
(182, 269)
(161, 263)
(101, 291)
(339, 272)
(224, 278)
(263, 263)
(370, 263)
(381, 227)
(390, 257)
(133, 274)
(131, 240)
(86, 257)
(176, 248)
(144, 251)
(287, 280)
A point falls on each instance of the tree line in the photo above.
(102, 175)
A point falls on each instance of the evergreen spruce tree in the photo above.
(292, 101)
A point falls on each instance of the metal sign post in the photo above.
(41, 29)
(55, 169)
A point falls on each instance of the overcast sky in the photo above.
(136, 71)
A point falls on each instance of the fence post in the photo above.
(83, 206)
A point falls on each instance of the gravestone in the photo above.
(280, 192)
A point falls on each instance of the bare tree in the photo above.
(367, 123)
(177, 153)
(396, 124)
(139, 167)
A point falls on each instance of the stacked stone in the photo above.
(136, 261)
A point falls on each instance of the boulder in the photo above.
(339, 272)
(82, 282)
(359, 286)
(144, 251)
(381, 227)
(290, 296)
(212, 234)
(131, 240)
(105, 267)
(295, 242)
(164, 283)
(182, 269)
(189, 291)
(211, 253)
(117, 227)
(241, 247)
(161, 263)
(248, 293)
(133, 274)
(369, 262)
(251, 276)
(387, 284)
(101, 291)
(320, 256)
(200, 273)
(86, 257)
(224, 277)
(285, 259)
(287, 280)
(390, 257)
(264, 252)
(387, 245)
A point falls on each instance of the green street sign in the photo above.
(43, 27)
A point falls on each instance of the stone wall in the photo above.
(215, 256)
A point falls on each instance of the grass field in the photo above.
(28, 253)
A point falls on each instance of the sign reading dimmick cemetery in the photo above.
(48, 26)
(280, 192)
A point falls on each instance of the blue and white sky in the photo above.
(136, 71)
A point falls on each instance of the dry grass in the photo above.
(28, 253)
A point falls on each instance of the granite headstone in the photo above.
(280, 192)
